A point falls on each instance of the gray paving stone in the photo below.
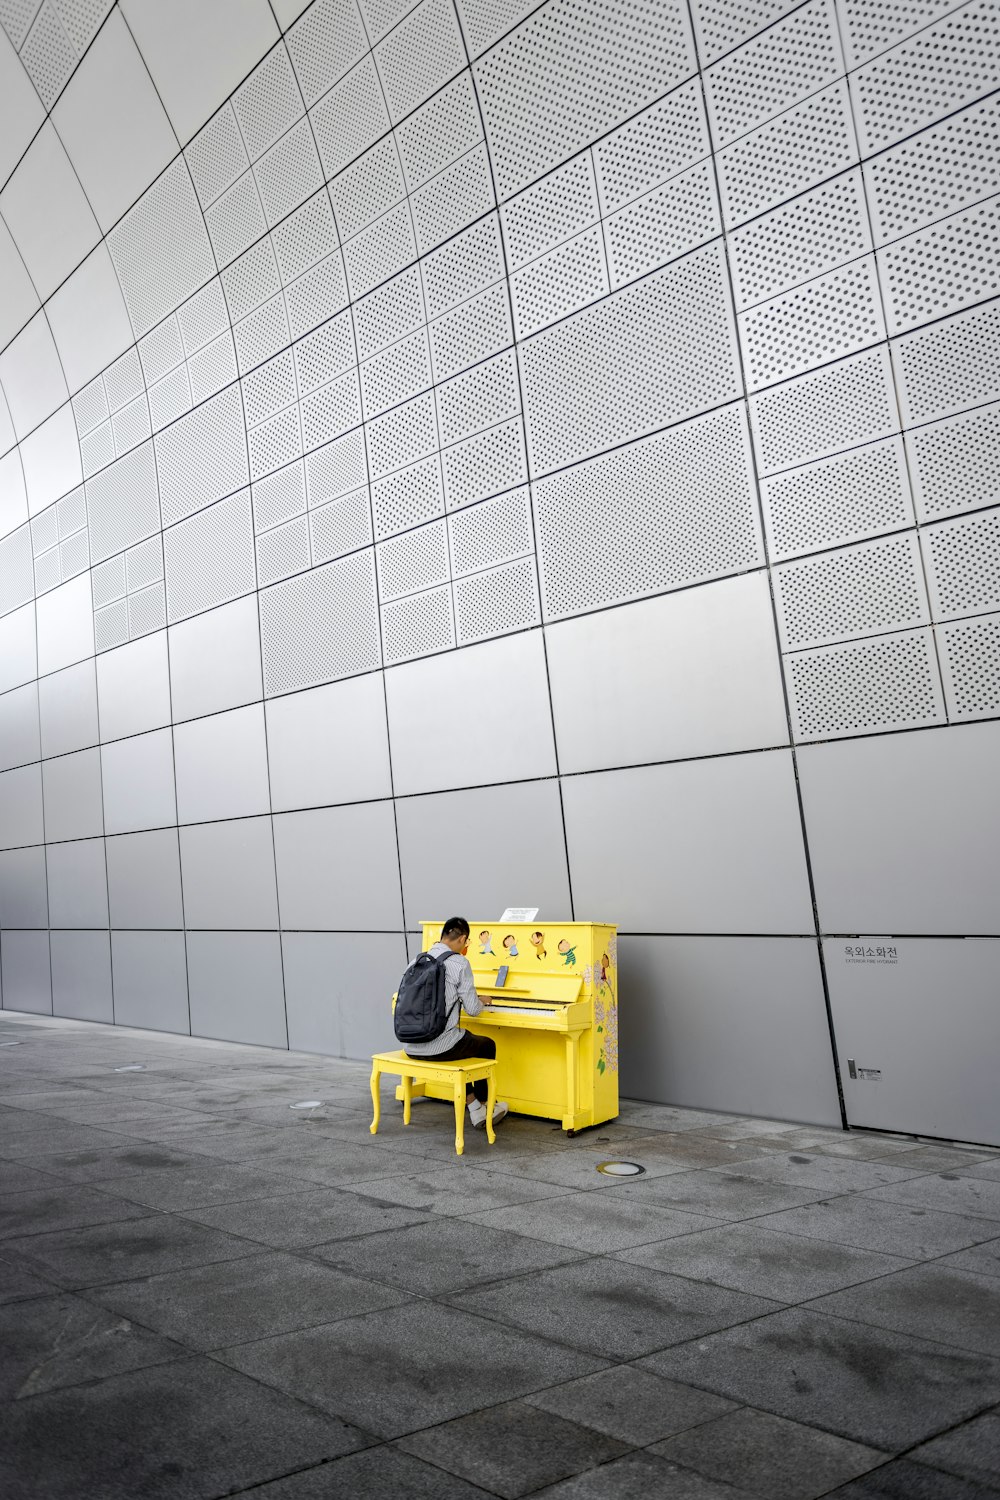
(641, 1476)
(597, 1222)
(41, 1137)
(983, 1258)
(763, 1262)
(207, 1307)
(454, 1190)
(690, 1150)
(301, 1219)
(726, 1195)
(988, 1170)
(513, 1449)
(770, 1456)
(631, 1404)
(941, 1158)
(17, 1282)
(199, 1185)
(946, 1191)
(61, 1207)
(140, 1247)
(190, 1430)
(386, 1371)
(903, 1480)
(375, 1474)
(444, 1255)
(898, 1229)
(102, 1166)
(835, 1174)
(22, 1177)
(61, 1340)
(609, 1308)
(971, 1451)
(578, 1169)
(930, 1301)
(886, 1390)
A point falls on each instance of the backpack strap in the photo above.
(442, 958)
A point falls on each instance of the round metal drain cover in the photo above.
(132, 1068)
(620, 1168)
(307, 1104)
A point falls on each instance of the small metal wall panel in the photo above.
(18, 663)
(227, 870)
(21, 819)
(144, 879)
(81, 975)
(900, 835)
(970, 667)
(77, 884)
(953, 464)
(338, 990)
(235, 987)
(221, 764)
(138, 777)
(950, 365)
(696, 846)
(133, 688)
(529, 866)
(434, 750)
(908, 1062)
(25, 973)
(328, 745)
(861, 493)
(72, 794)
(716, 686)
(729, 1023)
(20, 740)
(149, 970)
(332, 868)
(23, 891)
(839, 406)
(215, 660)
(65, 625)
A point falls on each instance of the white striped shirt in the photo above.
(459, 994)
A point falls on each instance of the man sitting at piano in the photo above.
(454, 1043)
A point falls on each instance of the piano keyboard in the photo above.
(522, 1010)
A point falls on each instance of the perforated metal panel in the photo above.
(656, 145)
(470, 263)
(943, 67)
(131, 425)
(320, 626)
(401, 436)
(217, 156)
(865, 687)
(283, 551)
(97, 449)
(949, 366)
(872, 26)
(544, 96)
(471, 332)
(805, 145)
(722, 25)
(90, 406)
(485, 464)
(350, 118)
(379, 251)
(161, 351)
(111, 626)
(550, 212)
(455, 198)
(495, 532)
(780, 66)
(16, 573)
(146, 611)
(268, 103)
(324, 44)
(305, 237)
(236, 220)
(494, 603)
(160, 249)
(440, 131)
(946, 167)
(212, 368)
(662, 225)
(108, 581)
(313, 297)
(854, 495)
(858, 591)
(336, 468)
(269, 388)
(330, 411)
(814, 233)
(848, 403)
(560, 282)
(275, 442)
(340, 526)
(209, 559)
(251, 280)
(417, 625)
(203, 316)
(822, 320)
(676, 509)
(652, 353)
(123, 380)
(963, 565)
(288, 173)
(202, 456)
(144, 564)
(396, 373)
(419, 55)
(279, 497)
(407, 497)
(970, 665)
(953, 464)
(412, 561)
(48, 55)
(123, 503)
(480, 398)
(262, 334)
(937, 270)
(326, 353)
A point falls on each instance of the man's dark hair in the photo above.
(455, 927)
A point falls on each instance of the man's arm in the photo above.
(471, 1003)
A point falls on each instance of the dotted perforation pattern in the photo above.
(407, 497)
(560, 282)
(842, 406)
(963, 565)
(847, 498)
(497, 602)
(341, 526)
(872, 26)
(16, 571)
(123, 503)
(656, 228)
(336, 468)
(493, 532)
(950, 366)
(203, 456)
(279, 496)
(160, 249)
(816, 232)
(550, 212)
(866, 687)
(419, 55)
(953, 464)
(970, 665)
(401, 436)
(320, 626)
(456, 198)
(857, 591)
(484, 465)
(823, 319)
(283, 551)
(209, 558)
(418, 625)
(722, 25)
(937, 270)
(660, 142)
(413, 561)
(479, 398)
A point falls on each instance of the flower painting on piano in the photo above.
(599, 975)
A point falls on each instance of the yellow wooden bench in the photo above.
(457, 1075)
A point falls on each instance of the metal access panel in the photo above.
(918, 1033)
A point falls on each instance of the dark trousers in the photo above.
(470, 1046)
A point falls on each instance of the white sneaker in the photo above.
(477, 1113)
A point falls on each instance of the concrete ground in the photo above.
(204, 1292)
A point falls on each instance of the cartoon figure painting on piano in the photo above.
(510, 945)
(568, 953)
(485, 941)
(537, 941)
(605, 1007)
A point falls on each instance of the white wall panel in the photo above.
(71, 785)
(215, 660)
(936, 1061)
(133, 687)
(81, 975)
(692, 673)
(32, 378)
(67, 705)
(20, 300)
(434, 749)
(47, 212)
(236, 987)
(13, 497)
(78, 884)
(18, 659)
(19, 731)
(338, 990)
(89, 319)
(150, 979)
(335, 868)
(902, 832)
(697, 846)
(734, 1024)
(144, 879)
(23, 897)
(138, 779)
(329, 744)
(65, 625)
(526, 864)
(222, 766)
(21, 110)
(228, 875)
(26, 974)
(21, 807)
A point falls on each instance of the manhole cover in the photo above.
(307, 1104)
(132, 1068)
(620, 1168)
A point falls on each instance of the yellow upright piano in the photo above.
(555, 1020)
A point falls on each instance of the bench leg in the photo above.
(407, 1097)
(459, 1115)
(376, 1099)
(491, 1099)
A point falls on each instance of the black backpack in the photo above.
(421, 1014)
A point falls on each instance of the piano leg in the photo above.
(570, 1114)
(407, 1082)
(376, 1099)
(459, 1114)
